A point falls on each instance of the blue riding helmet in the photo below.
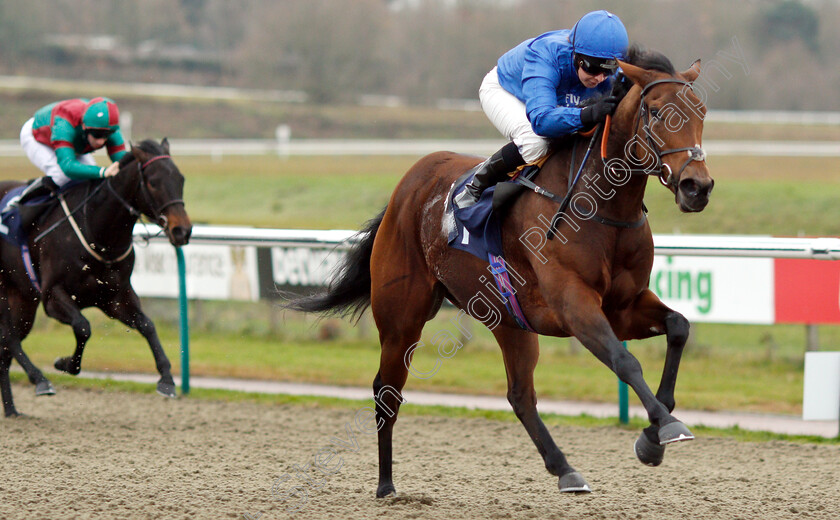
(600, 34)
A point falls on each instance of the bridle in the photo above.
(147, 198)
(157, 211)
(695, 153)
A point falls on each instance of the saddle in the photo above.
(15, 222)
(477, 228)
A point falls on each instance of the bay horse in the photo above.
(590, 281)
(82, 256)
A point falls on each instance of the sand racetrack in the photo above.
(96, 454)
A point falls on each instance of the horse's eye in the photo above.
(654, 113)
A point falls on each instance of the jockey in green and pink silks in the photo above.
(61, 136)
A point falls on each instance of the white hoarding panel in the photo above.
(821, 391)
(716, 289)
(214, 272)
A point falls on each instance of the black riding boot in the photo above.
(493, 170)
(40, 187)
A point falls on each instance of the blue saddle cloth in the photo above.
(478, 231)
(10, 221)
(477, 228)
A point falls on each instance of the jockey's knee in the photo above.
(532, 148)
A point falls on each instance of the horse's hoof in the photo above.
(44, 388)
(648, 452)
(386, 491)
(674, 432)
(573, 483)
(166, 389)
(64, 364)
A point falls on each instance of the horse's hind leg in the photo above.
(5, 385)
(401, 302)
(520, 350)
(43, 386)
(18, 316)
(126, 308)
(6, 333)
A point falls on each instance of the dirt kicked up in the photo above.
(94, 454)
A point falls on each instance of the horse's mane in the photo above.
(149, 146)
(646, 59)
(649, 59)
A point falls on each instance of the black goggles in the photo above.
(595, 66)
(99, 133)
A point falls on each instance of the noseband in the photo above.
(695, 153)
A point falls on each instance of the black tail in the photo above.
(348, 294)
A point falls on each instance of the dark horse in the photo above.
(590, 281)
(85, 260)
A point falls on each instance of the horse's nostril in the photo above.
(181, 234)
(690, 188)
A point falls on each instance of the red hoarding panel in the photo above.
(807, 291)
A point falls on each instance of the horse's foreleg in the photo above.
(647, 317)
(586, 320)
(126, 308)
(60, 306)
(520, 350)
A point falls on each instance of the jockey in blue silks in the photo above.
(534, 92)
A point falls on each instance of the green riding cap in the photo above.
(102, 113)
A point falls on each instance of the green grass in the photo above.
(768, 196)
(726, 367)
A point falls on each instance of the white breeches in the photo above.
(507, 114)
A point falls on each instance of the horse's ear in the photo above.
(637, 75)
(693, 72)
(139, 154)
(165, 144)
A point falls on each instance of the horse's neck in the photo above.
(102, 217)
(616, 199)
